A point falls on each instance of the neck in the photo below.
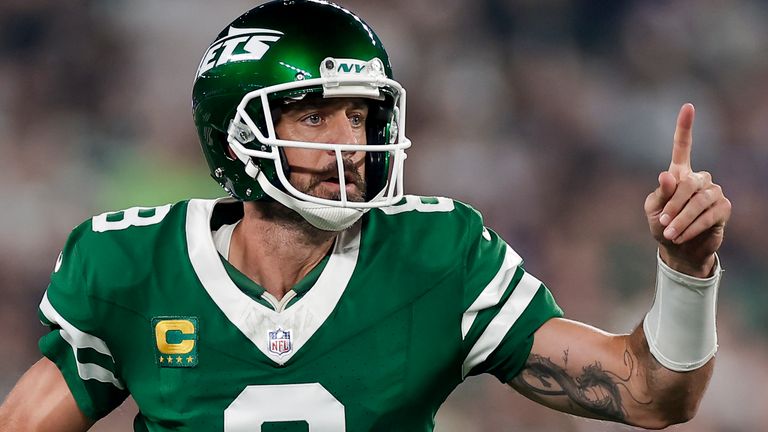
(276, 247)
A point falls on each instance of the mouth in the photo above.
(333, 184)
(329, 187)
(332, 179)
(326, 183)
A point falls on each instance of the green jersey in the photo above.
(410, 301)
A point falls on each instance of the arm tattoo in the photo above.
(595, 389)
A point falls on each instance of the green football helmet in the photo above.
(283, 51)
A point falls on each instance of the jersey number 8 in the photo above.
(135, 216)
(260, 404)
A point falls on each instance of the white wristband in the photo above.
(680, 327)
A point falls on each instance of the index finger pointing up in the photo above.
(681, 147)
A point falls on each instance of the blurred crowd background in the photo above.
(553, 117)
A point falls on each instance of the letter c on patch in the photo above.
(186, 340)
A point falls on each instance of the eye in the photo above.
(313, 119)
(357, 120)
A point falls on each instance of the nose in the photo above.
(341, 130)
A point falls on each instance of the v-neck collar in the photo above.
(292, 327)
(255, 290)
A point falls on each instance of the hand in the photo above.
(687, 213)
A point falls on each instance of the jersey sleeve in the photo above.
(505, 305)
(73, 342)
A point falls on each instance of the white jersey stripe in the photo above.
(80, 340)
(502, 322)
(493, 292)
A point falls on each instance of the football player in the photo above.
(319, 296)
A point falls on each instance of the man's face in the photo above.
(336, 121)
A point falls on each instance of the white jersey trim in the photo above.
(493, 292)
(512, 309)
(253, 319)
(222, 238)
(79, 340)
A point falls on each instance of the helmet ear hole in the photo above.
(229, 153)
(217, 141)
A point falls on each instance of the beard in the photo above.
(315, 187)
(288, 218)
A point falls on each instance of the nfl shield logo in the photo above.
(280, 342)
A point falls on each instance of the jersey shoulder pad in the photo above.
(435, 231)
(423, 215)
(415, 209)
(119, 247)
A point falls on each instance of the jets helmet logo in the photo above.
(240, 44)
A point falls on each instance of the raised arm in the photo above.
(41, 402)
(656, 379)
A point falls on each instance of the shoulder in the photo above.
(105, 259)
(127, 229)
(117, 246)
(438, 216)
(430, 226)
(424, 210)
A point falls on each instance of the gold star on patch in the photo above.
(170, 359)
(162, 359)
(189, 359)
(178, 359)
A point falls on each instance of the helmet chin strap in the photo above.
(321, 217)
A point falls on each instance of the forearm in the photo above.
(676, 344)
(581, 370)
(673, 397)
(41, 402)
